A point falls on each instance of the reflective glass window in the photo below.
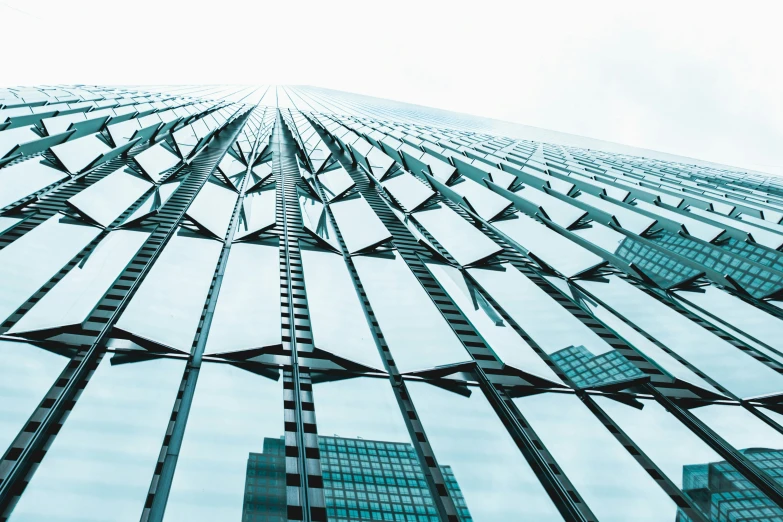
(338, 320)
(614, 485)
(101, 462)
(560, 253)
(335, 183)
(232, 456)
(628, 219)
(409, 192)
(247, 313)
(360, 227)
(74, 297)
(107, 198)
(213, 207)
(26, 374)
(22, 179)
(156, 160)
(584, 357)
(500, 336)
(166, 308)
(486, 203)
(30, 261)
(78, 154)
(417, 334)
(463, 241)
(736, 370)
(258, 213)
(495, 481)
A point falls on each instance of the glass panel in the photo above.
(30, 261)
(247, 313)
(186, 140)
(740, 428)
(739, 372)
(155, 161)
(694, 227)
(612, 483)
(417, 334)
(213, 207)
(584, 357)
(409, 192)
(563, 255)
(668, 442)
(78, 154)
(338, 320)
(101, 462)
(501, 337)
(335, 183)
(763, 237)
(26, 374)
(487, 475)
(654, 353)
(74, 297)
(560, 212)
(22, 179)
(153, 202)
(167, 307)
(738, 314)
(7, 223)
(233, 456)
(12, 137)
(463, 241)
(369, 466)
(628, 219)
(486, 203)
(601, 236)
(315, 219)
(360, 227)
(259, 212)
(106, 199)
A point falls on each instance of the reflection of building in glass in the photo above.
(654, 262)
(586, 369)
(724, 495)
(265, 491)
(372, 480)
(364, 480)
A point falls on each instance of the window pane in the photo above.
(155, 161)
(166, 308)
(417, 334)
(26, 374)
(486, 203)
(258, 213)
(614, 485)
(247, 314)
(360, 227)
(106, 199)
(232, 455)
(495, 480)
(22, 179)
(463, 241)
(409, 192)
(367, 460)
(576, 349)
(335, 183)
(338, 320)
(501, 337)
(78, 154)
(560, 253)
(30, 261)
(731, 367)
(101, 462)
(74, 297)
(213, 207)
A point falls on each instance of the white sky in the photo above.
(689, 77)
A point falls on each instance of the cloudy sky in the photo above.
(690, 77)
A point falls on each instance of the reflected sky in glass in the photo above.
(495, 479)
(614, 485)
(26, 374)
(101, 463)
(233, 412)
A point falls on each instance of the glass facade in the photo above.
(277, 303)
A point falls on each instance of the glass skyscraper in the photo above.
(287, 303)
